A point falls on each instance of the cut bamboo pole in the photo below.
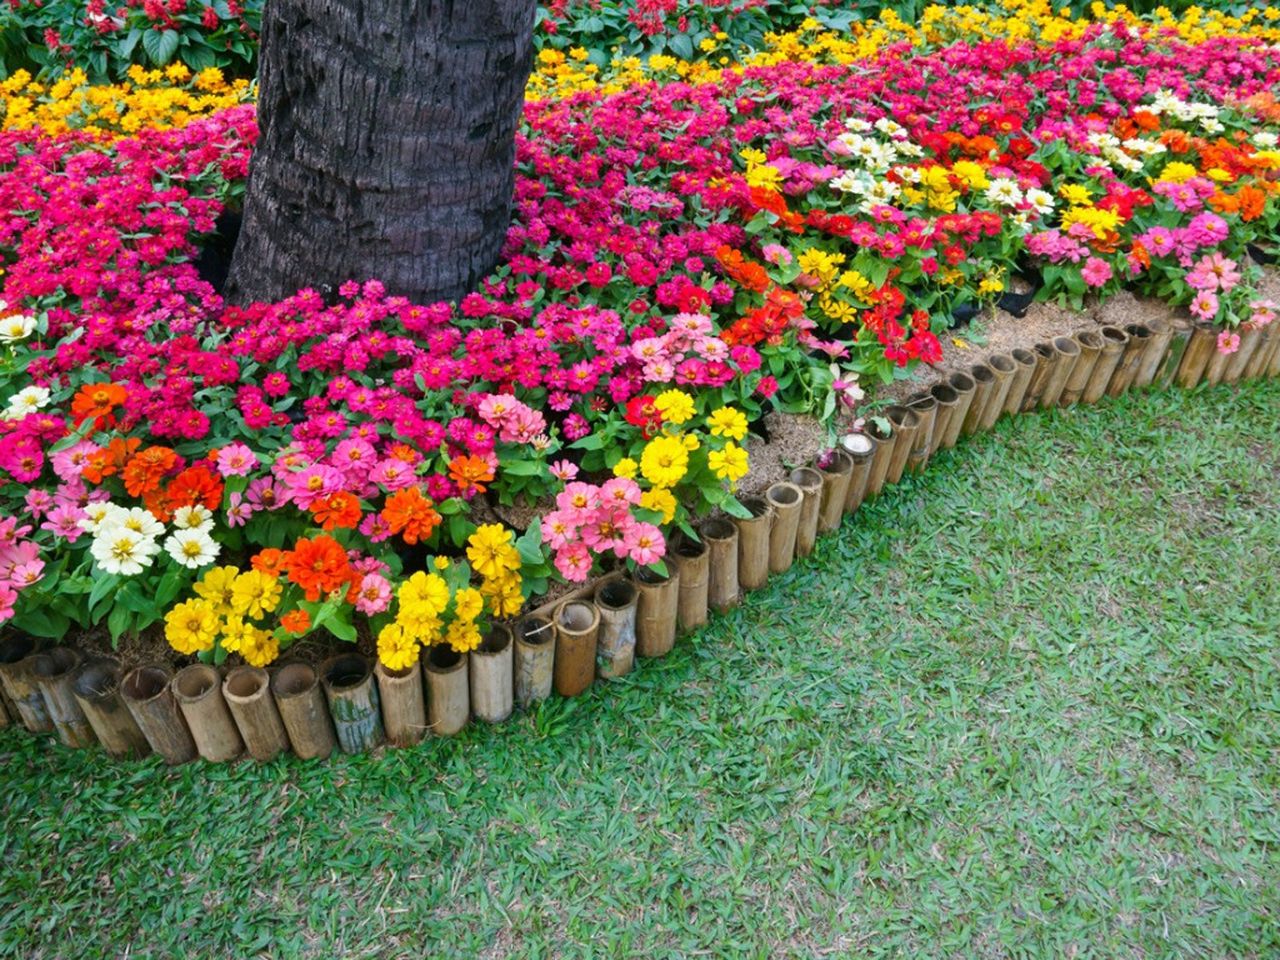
(785, 499)
(1068, 355)
(492, 682)
(302, 706)
(1090, 345)
(577, 627)
(721, 537)
(966, 388)
(353, 701)
(948, 399)
(147, 695)
(20, 684)
(906, 424)
(1202, 344)
(1114, 344)
(53, 671)
(1257, 365)
(535, 659)
(656, 612)
(403, 697)
(836, 476)
(753, 538)
(1046, 355)
(616, 600)
(884, 438)
(861, 449)
(1180, 338)
(198, 689)
(1004, 368)
(96, 686)
(247, 691)
(1134, 351)
(809, 481)
(925, 407)
(449, 689)
(984, 380)
(1154, 356)
(1238, 362)
(693, 561)
(1025, 367)
(1273, 364)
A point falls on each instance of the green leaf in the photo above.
(681, 46)
(160, 45)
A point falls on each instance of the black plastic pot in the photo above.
(1017, 304)
(1261, 256)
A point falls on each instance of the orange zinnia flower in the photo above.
(319, 566)
(339, 509)
(98, 400)
(470, 473)
(194, 485)
(410, 514)
(269, 561)
(296, 621)
(144, 471)
(108, 461)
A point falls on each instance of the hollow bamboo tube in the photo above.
(1114, 344)
(1257, 365)
(20, 684)
(721, 537)
(1238, 362)
(656, 612)
(984, 380)
(1154, 355)
(616, 642)
(925, 407)
(535, 659)
(96, 687)
(198, 689)
(692, 560)
(53, 671)
(492, 683)
(1004, 369)
(785, 499)
(753, 537)
(296, 688)
(1273, 365)
(1202, 344)
(906, 424)
(1216, 369)
(965, 387)
(1090, 344)
(403, 697)
(1179, 339)
(1025, 361)
(577, 626)
(1134, 351)
(8, 712)
(948, 400)
(809, 481)
(353, 701)
(1068, 353)
(147, 695)
(861, 449)
(884, 439)
(1046, 357)
(835, 485)
(247, 691)
(448, 689)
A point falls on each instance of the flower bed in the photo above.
(685, 258)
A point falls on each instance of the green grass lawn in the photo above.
(1025, 705)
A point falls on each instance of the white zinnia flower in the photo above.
(194, 517)
(1040, 200)
(1265, 140)
(1004, 191)
(122, 551)
(139, 520)
(15, 327)
(891, 129)
(857, 125)
(27, 400)
(98, 515)
(192, 548)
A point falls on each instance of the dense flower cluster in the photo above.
(684, 257)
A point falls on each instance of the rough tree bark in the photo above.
(387, 145)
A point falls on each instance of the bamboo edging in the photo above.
(350, 704)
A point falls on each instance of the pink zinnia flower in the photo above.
(1096, 272)
(645, 544)
(1205, 305)
(564, 470)
(236, 460)
(374, 594)
(574, 561)
(1228, 342)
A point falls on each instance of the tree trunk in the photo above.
(386, 145)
